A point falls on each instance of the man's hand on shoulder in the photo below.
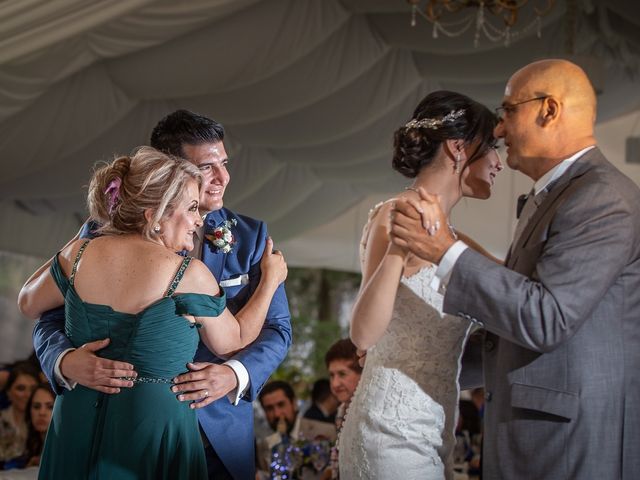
(205, 383)
(83, 366)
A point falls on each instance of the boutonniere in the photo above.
(222, 238)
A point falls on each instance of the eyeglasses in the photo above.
(509, 108)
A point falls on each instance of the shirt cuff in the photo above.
(57, 373)
(242, 375)
(443, 272)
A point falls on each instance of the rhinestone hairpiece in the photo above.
(434, 123)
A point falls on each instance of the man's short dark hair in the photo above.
(321, 390)
(183, 127)
(275, 386)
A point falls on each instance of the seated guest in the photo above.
(344, 374)
(477, 397)
(5, 370)
(37, 418)
(13, 427)
(323, 403)
(469, 419)
(278, 400)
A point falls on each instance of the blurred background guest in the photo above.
(5, 371)
(37, 418)
(344, 374)
(324, 404)
(278, 400)
(21, 383)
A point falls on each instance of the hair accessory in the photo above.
(113, 193)
(434, 123)
(156, 228)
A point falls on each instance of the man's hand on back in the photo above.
(83, 366)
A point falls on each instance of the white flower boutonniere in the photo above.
(222, 238)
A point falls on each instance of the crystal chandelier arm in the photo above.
(506, 11)
(544, 10)
(510, 4)
(453, 5)
(433, 10)
(510, 16)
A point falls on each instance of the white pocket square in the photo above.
(234, 282)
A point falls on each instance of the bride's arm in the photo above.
(381, 271)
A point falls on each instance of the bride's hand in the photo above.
(411, 218)
(404, 251)
(273, 266)
(408, 258)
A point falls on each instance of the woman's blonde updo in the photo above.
(121, 191)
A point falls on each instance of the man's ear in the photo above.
(551, 109)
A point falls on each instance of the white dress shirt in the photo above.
(449, 259)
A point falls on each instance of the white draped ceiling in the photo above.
(309, 91)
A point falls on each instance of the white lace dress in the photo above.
(401, 421)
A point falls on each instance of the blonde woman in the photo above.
(154, 305)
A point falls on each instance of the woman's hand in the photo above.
(403, 251)
(273, 265)
(410, 220)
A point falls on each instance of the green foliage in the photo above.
(320, 301)
(14, 270)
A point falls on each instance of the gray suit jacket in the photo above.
(561, 353)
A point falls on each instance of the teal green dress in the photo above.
(143, 432)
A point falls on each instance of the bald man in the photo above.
(561, 349)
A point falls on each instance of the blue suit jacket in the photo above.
(229, 428)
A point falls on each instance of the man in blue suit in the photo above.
(226, 413)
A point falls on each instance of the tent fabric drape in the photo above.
(310, 93)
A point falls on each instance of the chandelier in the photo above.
(487, 13)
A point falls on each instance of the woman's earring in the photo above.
(156, 229)
(457, 163)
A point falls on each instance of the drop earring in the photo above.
(457, 163)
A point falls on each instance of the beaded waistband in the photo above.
(147, 379)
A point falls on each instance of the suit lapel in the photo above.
(211, 256)
(580, 166)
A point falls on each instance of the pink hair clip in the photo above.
(113, 193)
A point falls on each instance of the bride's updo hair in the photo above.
(121, 191)
(442, 116)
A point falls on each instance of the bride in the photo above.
(402, 418)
